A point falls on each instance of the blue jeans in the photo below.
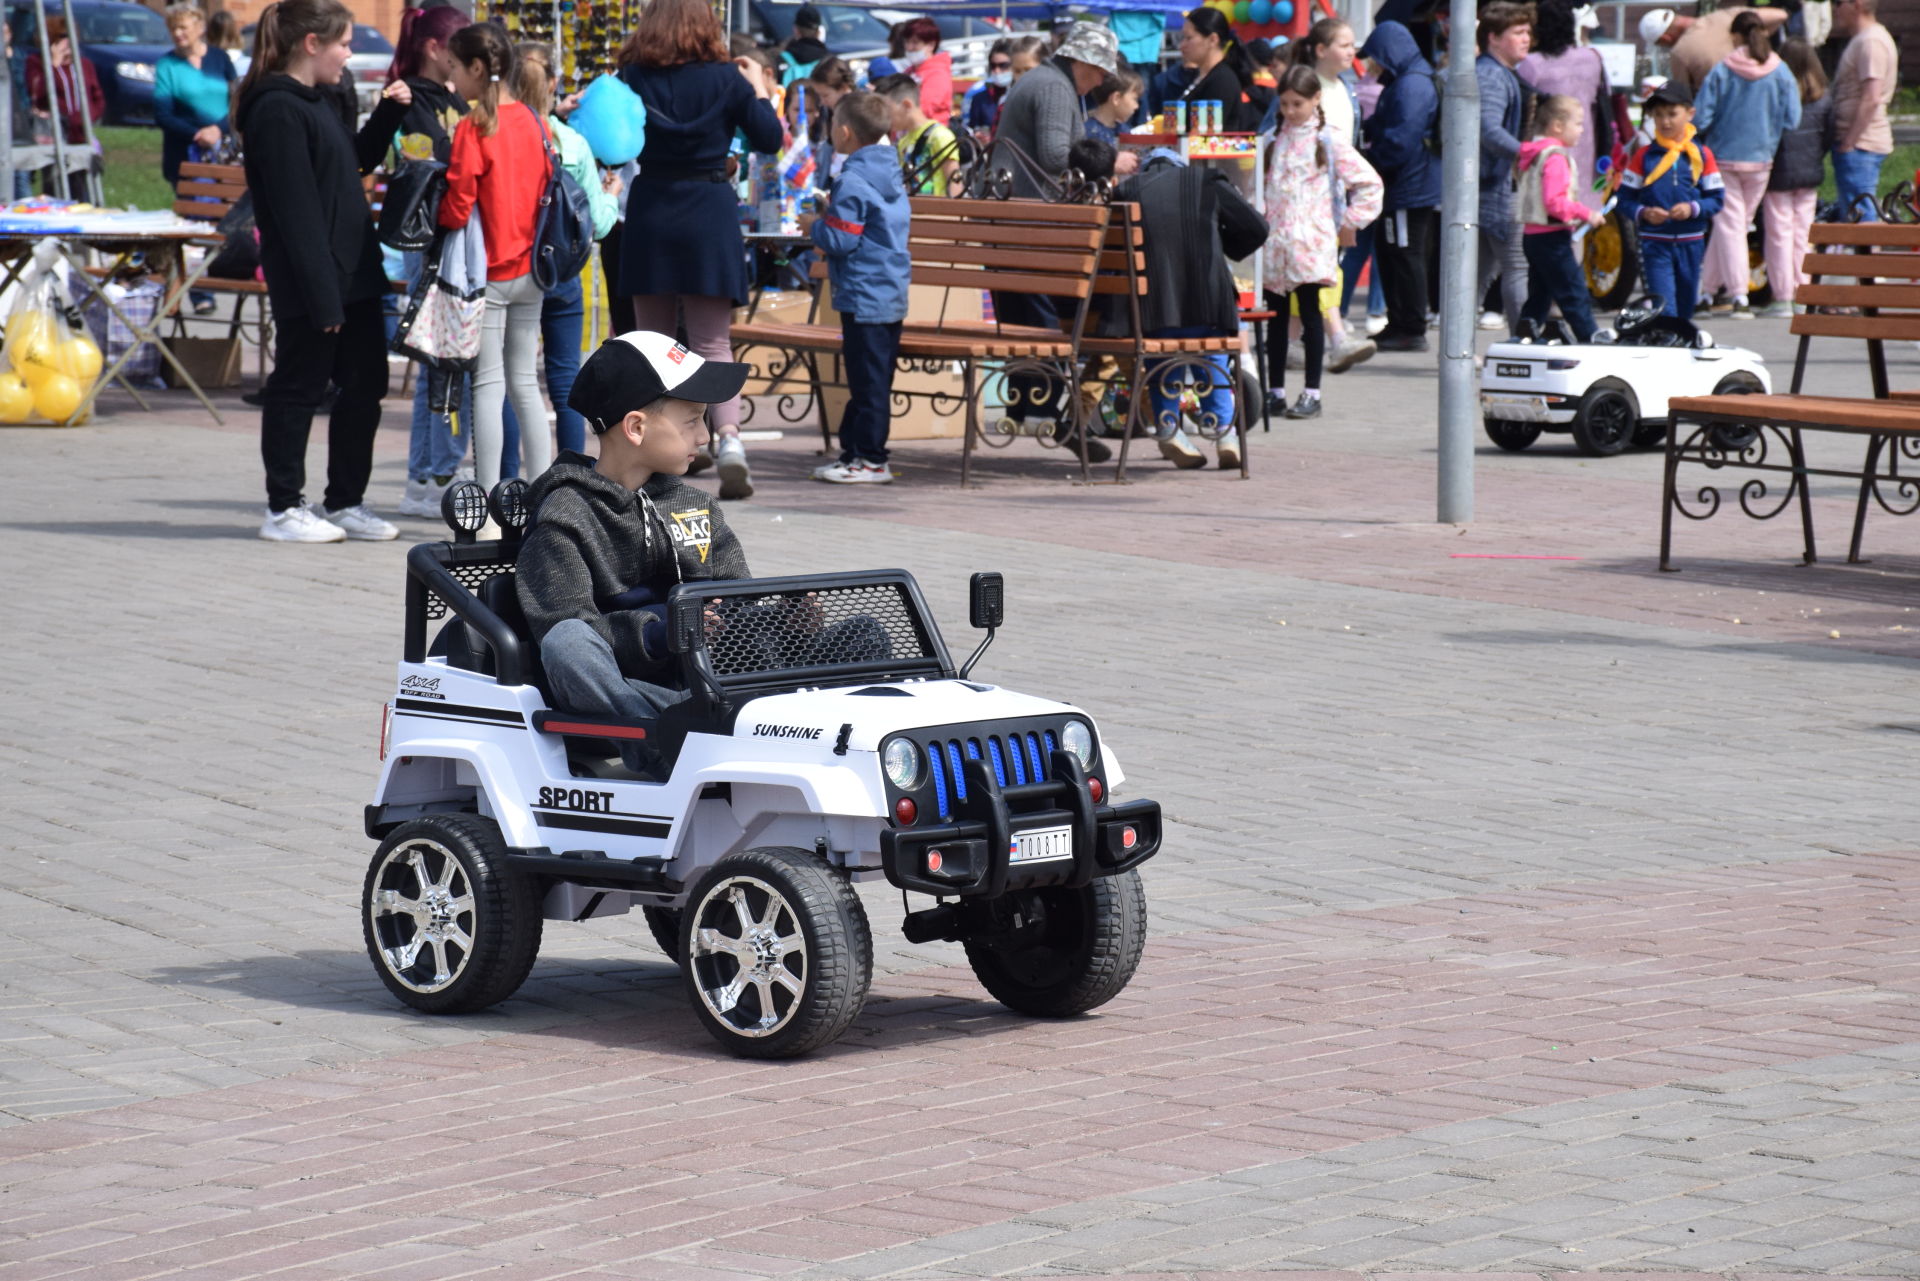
(1351, 261)
(1216, 400)
(1857, 173)
(1671, 269)
(1554, 276)
(561, 316)
(868, 351)
(586, 680)
(438, 444)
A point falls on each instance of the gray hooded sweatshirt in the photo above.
(608, 555)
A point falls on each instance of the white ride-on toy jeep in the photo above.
(1611, 393)
(828, 739)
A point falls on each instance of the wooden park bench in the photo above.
(1864, 285)
(1014, 246)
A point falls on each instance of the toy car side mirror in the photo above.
(987, 609)
(986, 601)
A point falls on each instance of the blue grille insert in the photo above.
(999, 765)
(1018, 754)
(1033, 752)
(937, 768)
(959, 775)
(1047, 738)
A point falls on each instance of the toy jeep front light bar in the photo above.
(1048, 832)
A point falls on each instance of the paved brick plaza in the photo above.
(1518, 917)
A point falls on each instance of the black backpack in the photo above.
(563, 225)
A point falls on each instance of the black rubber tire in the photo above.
(1650, 433)
(1605, 422)
(1735, 439)
(664, 924)
(1622, 285)
(1511, 436)
(838, 961)
(1072, 951)
(503, 919)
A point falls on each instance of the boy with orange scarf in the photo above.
(1672, 189)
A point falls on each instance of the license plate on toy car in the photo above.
(1507, 370)
(1042, 845)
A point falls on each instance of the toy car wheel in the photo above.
(1058, 952)
(1511, 436)
(664, 924)
(1605, 423)
(1735, 439)
(452, 927)
(776, 951)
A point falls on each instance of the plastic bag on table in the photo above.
(49, 359)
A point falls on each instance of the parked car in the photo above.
(372, 55)
(850, 29)
(121, 39)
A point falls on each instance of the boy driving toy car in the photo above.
(608, 540)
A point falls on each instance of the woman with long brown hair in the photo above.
(683, 262)
(321, 262)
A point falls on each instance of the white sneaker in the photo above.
(300, 525)
(423, 497)
(1492, 320)
(856, 472)
(1349, 354)
(730, 457)
(1180, 451)
(360, 524)
(1376, 323)
(1230, 451)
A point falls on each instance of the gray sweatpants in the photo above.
(586, 679)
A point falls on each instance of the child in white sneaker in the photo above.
(863, 235)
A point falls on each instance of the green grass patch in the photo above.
(132, 157)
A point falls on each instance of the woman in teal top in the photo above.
(191, 88)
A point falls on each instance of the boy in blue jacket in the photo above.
(1402, 135)
(863, 234)
(1672, 189)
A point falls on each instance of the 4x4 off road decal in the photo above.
(444, 711)
(693, 529)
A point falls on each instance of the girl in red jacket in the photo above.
(499, 166)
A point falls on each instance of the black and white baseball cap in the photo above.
(630, 371)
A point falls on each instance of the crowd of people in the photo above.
(1740, 129)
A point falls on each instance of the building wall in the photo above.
(1902, 18)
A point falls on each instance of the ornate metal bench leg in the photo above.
(819, 400)
(972, 424)
(1797, 453)
(1875, 443)
(1669, 496)
(1127, 424)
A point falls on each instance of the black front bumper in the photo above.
(976, 848)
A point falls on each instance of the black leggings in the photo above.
(1313, 334)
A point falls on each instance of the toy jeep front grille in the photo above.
(1015, 757)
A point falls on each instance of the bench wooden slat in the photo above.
(1120, 286)
(201, 212)
(1009, 281)
(1004, 211)
(1864, 233)
(1051, 261)
(216, 190)
(921, 343)
(1858, 295)
(1839, 413)
(1895, 327)
(1116, 260)
(1859, 266)
(950, 231)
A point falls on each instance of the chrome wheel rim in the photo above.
(748, 956)
(422, 915)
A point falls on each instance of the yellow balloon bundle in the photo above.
(49, 367)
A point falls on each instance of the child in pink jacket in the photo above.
(1549, 211)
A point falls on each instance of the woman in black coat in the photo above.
(683, 261)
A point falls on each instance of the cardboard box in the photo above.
(213, 362)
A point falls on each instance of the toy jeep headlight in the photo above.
(901, 760)
(1078, 739)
